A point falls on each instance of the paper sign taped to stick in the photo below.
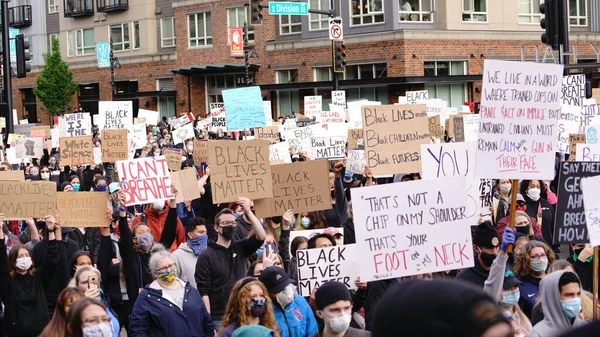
(29, 147)
(393, 135)
(22, 200)
(320, 265)
(245, 109)
(591, 202)
(575, 139)
(356, 162)
(82, 209)
(150, 116)
(240, 169)
(144, 180)
(114, 145)
(420, 227)
(173, 158)
(76, 151)
(17, 175)
(200, 151)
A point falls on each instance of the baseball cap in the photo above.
(275, 279)
(113, 187)
(332, 231)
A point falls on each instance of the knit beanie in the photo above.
(331, 292)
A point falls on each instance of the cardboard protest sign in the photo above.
(114, 145)
(29, 147)
(144, 180)
(114, 115)
(459, 129)
(458, 159)
(591, 204)
(139, 121)
(414, 97)
(418, 228)
(435, 127)
(356, 161)
(82, 209)
(575, 139)
(270, 133)
(240, 169)
(393, 135)
(150, 116)
(42, 131)
(17, 175)
(301, 186)
(320, 265)
(520, 106)
(173, 157)
(77, 124)
(570, 218)
(21, 200)
(218, 117)
(186, 183)
(279, 153)
(200, 151)
(183, 133)
(245, 109)
(437, 107)
(24, 129)
(313, 106)
(355, 138)
(76, 151)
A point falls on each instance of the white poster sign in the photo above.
(338, 97)
(590, 188)
(320, 265)
(183, 133)
(268, 112)
(414, 97)
(356, 161)
(151, 116)
(471, 127)
(76, 124)
(313, 106)
(29, 147)
(218, 118)
(138, 133)
(280, 152)
(115, 115)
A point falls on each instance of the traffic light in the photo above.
(23, 56)
(256, 16)
(550, 23)
(339, 56)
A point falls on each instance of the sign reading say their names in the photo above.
(245, 109)
(519, 111)
(114, 145)
(82, 209)
(115, 115)
(300, 186)
(320, 265)
(22, 200)
(76, 151)
(144, 180)
(421, 227)
(240, 169)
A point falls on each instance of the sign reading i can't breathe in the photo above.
(145, 180)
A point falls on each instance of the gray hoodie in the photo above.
(555, 321)
(185, 260)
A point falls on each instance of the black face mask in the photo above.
(523, 229)
(332, 194)
(487, 259)
(276, 219)
(228, 232)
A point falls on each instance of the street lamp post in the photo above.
(6, 66)
(112, 68)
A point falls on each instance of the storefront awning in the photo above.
(211, 69)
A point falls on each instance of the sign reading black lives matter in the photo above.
(320, 265)
(569, 223)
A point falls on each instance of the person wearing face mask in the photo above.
(310, 220)
(531, 266)
(538, 207)
(244, 224)
(293, 314)
(501, 199)
(23, 287)
(581, 258)
(186, 255)
(486, 244)
(34, 173)
(169, 306)
(87, 317)
(561, 303)
(248, 305)
(156, 215)
(509, 301)
(334, 306)
(225, 261)
(524, 224)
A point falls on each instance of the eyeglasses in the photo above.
(537, 256)
(228, 223)
(166, 268)
(97, 320)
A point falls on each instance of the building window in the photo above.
(286, 76)
(88, 97)
(136, 35)
(578, 12)
(236, 18)
(199, 30)
(415, 11)
(454, 94)
(50, 38)
(290, 24)
(29, 104)
(353, 72)
(85, 44)
(474, 10)
(288, 102)
(529, 11)
(366, 12)
(167, 32)
(70, 44)
(52, 6)
(318, 21)
(119, 34)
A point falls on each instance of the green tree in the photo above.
(54, 85)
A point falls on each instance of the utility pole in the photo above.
(7, 71)
(246, 58)
(112, 68)
(332, 14)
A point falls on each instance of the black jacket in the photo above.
(218, 268)
(547, 216)
(475, 275)
(585, 271)
(349, 233)
(59, 268)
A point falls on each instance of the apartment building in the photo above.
(175, 55)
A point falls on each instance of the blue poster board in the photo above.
(244, 108)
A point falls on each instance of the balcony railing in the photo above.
(19, 16)
(112, 5)
(75, 8)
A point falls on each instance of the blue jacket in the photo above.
(297, 320)
(529, 290)
(156, 316)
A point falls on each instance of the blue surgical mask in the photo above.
(510, 298)
(305, 222)
(101, 188)
(348, 175)
(198, 244)
(571, 307)
(75, 187)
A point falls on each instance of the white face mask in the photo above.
(534, 194)
(286, 296)
(190, 148)
(505, 188)
(23, 263)
(45, 176)
(158, 205)
(98, 330)
(338, 324)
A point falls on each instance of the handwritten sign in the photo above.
(54, 133)
(313, 106)
(280, 153)
(76, 151)
(329, 147)
(356, 161)
(82, 209)
(355, 138)
(240, 169)
(334, 115)
(470, 127)
(320, 265)
(139, 121)
(173, 157)
(244, 107)
(114, 145)
(270, 133)
(218, 117)
(200, 151)
(591, 202)
(338, 97)
(77, 124)
(21, 200)
(573, 141)
(458, 159)
(29, 147)
(42, 131)
(301, 138)
(144, 180)
(301, 186)
(588, 152)
(12, 175)
(459, 129)
(393, 135)
(268, 113)
(420, 227)
(414, 97)
(435, 127)
(115, 115)
(150, 116)
(570, 220)
(519, 111)
(573, 90)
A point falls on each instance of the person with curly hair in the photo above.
(248, 305)
(531, 266)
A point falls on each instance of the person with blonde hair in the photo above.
(249, 304)
(531, 266)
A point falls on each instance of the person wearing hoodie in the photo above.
(536, 206)
(486, 243)
(156, 215)
(225, 261)
(561, 303)
(186, 255)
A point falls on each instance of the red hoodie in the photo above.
(156, 222)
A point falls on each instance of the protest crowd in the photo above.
(365, 220)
